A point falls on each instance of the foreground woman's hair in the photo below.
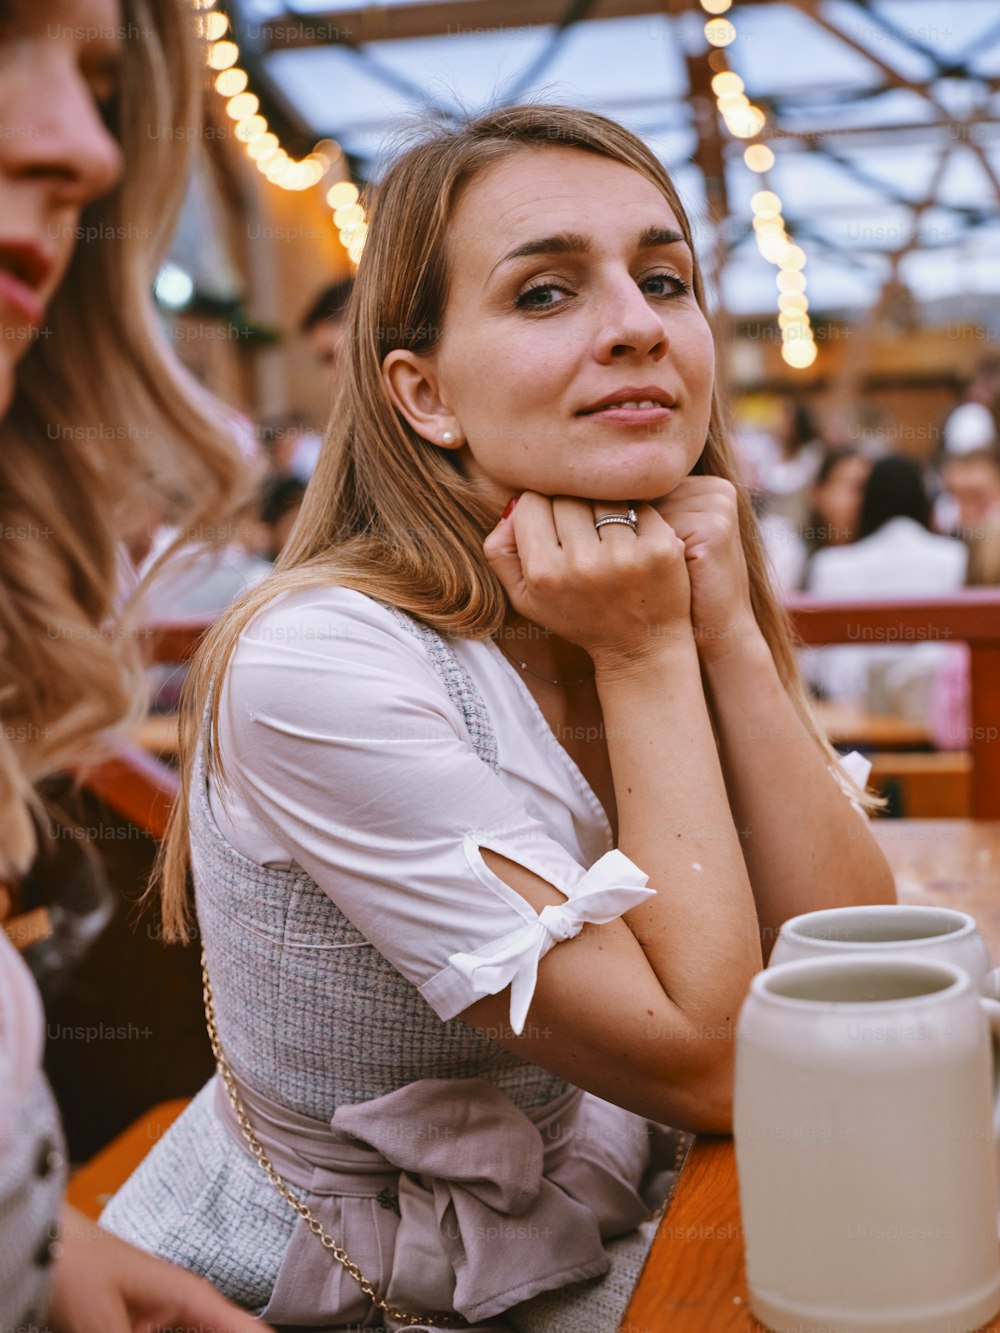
(102, 420)
(387, 513)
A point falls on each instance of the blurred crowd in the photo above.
(857, 522)
(202, 578)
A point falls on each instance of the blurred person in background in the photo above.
(95, 416)
(834, 511)
(896, 553)
(788, 469)
(280, 502)
(975, 423)
(972, 480)
(323, 326)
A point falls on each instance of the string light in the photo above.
(743, 120)
(720, 32)
(262, 146)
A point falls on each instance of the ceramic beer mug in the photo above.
(865, 1117)
(918, 932)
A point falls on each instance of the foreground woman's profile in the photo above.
(488, 816)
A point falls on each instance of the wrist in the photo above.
(666, 648)
(741, 644)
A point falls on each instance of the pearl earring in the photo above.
(448, 437)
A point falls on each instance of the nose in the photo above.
(63, 141)
(629, 324)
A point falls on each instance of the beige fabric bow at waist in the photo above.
(449, 1197)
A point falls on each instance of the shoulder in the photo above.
(323, 617)
(330, 660)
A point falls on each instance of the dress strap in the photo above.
(462, 689)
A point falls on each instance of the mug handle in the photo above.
(992, 986)
(991, 1008)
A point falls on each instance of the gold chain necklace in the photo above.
(577, 680)
(439, 1320)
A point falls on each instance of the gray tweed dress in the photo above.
(317, 1024)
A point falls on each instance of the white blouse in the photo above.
(345, 757)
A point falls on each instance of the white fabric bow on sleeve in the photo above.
(610, 887)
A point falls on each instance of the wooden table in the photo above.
(693, 1280)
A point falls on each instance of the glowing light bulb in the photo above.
(215, 26)
(231, 81)
(251, 128)
(348, 214)
(342, 195)
(242, 106)
(223, 54)
(798, 354)
(758, 157)
(720, 32)
(789, 281)
(744, 122)
(765, 202)
(264, 147)
(173, 286)
(793, 258)
(726, 82)
(716, 6)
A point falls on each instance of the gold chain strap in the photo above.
(439, 1320)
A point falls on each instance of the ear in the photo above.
(412, 384)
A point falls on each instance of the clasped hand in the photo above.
(681, 575)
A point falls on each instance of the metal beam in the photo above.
(378, 22)
(431, 18)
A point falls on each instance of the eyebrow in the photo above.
(574, 243)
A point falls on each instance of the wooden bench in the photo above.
(971, 617)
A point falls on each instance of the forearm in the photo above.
(804, 844)
(700, 931)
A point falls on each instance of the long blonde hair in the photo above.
(365, 522)
(103, 418)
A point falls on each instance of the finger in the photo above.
(195, 1304)
(502, 555)
(601, 509)
(574, 522)
(535, 531)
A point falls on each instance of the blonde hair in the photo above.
(103, 417)
(365, 521)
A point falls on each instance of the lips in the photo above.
(630, 397)
(24, 268)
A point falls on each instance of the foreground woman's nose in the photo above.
(62, 139)
(630, 324)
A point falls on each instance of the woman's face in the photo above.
(838, 500)
(58, 66)
(569, 287)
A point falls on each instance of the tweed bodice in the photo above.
(309, 1012)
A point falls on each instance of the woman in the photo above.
(93, 414)
(896, 554)
(447, 750)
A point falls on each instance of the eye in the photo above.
(677, 285)
(534, 297)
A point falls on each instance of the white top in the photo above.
(970, 426)
(346, 757)
(901, 559)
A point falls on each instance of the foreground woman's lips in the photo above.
(24, 268)
(631, 397)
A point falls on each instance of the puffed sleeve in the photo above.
(340, 738)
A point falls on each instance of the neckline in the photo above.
(570, 765)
